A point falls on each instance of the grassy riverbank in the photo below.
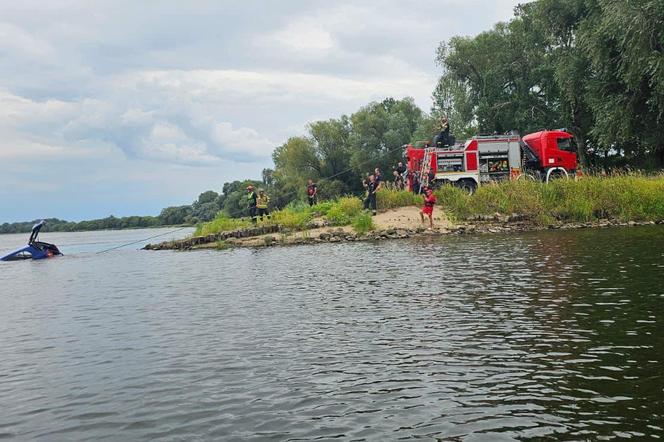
(622, 198)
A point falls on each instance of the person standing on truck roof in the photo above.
(442, 139)
(312, 192)
(251, 202)
(262, 200)
(429, 201)
(372, 187)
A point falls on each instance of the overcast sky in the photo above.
(126, 107)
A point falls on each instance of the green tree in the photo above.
(379, 130)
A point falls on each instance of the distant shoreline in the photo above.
(172, 226)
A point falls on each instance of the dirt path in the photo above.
(408, 218)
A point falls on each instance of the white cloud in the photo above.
(304, 36)
(17, 43)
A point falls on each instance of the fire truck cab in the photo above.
(542, 155)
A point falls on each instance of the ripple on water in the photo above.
(483, 338)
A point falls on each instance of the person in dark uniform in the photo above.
(251, 202)
(312, 192)
(378, 177)
(372, 187)
(398, 180)
(415, 182)
(442, 139)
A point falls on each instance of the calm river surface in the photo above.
(551, 335)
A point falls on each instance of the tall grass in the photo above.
(390, 199)
(293, 217)
(363, 222)
(624, 198)
(221, 223)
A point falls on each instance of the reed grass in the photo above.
(622, 198)
(627, 197)
(221, 223)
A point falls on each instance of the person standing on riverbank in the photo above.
(398, 181)
(415, 182)
(429, 201)
(312, 192)
(262, 200)
(251, 202)
(372, 187)
(378, 178)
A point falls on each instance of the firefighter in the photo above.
(372, 187)
(378, 178)
(251, 202)
(262, 200)
(442, 139)
(312, 192)
(401, 169)
(398, 180)
(429, 201)
(415, 182)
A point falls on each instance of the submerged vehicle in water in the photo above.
(35, 249)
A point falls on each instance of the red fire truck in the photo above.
(542, 156)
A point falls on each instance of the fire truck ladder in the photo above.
(425, 168)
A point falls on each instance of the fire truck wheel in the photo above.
(526, 177)
(556, 173)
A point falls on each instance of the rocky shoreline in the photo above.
(274, 235)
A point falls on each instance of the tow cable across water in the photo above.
(142, 240)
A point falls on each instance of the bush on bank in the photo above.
(623, 198)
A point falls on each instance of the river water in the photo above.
(554, 335)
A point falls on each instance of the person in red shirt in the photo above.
(429, 201)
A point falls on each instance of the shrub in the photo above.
(293, 218)
(390, 199)
(337, 217)
(222, 223)
(363, 222)
(323, 207)
(350, 205)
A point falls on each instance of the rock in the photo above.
(324, 236)
(516, 217)
(391, 231)
(335, 239)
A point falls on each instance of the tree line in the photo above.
(205, 208)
